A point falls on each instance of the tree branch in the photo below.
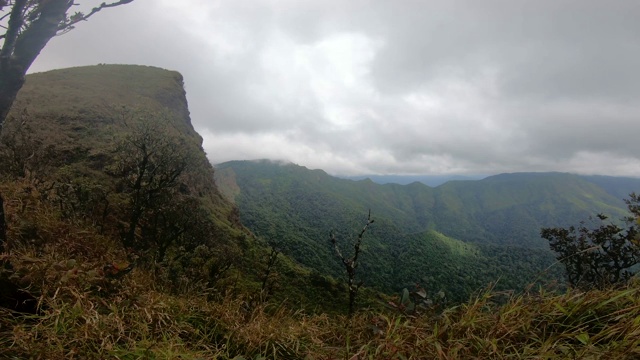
(351, 264)
(77, 17)
(16, 20)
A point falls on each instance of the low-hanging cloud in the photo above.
(391, 87)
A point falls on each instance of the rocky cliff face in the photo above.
(77, 116)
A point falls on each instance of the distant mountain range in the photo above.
(455, 237)
(430, 180)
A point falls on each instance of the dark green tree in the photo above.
(151, 164)
(598, 257)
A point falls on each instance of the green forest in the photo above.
(120, 244)
(476, 232)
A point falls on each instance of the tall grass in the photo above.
(85, 314)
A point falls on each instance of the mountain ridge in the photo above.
(500, 216)
(73, 130)
(97, 298)
(498, 192)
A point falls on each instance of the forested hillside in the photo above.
(474, 232)
(119, 245)
(110, 154)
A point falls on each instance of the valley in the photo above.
(472, 232)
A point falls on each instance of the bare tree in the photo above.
(272, 259)
(150, 165)
(351, 263)
(23, 155)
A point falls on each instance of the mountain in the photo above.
(90, 153)
(430, 180)
(108, 152)
(473, 232)
(78, 115)
(619, 187)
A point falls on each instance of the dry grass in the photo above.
(140, 323)
(86, 314)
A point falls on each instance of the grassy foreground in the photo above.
(139, 324)
(89, 313)
(91, 308)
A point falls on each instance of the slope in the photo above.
(496, 219)
(510, 209)
(108, 154)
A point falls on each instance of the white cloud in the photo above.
(391, 86)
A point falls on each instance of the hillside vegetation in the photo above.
(471, 232)
(107, 156)
(104, 260)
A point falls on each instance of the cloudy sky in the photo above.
(391, 86)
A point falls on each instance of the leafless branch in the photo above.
(351, 264)
(77, 17)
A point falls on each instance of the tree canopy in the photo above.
(598, 257)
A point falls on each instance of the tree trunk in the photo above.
(20, 49)
(130, 236)
(3, 226)
(10, 84)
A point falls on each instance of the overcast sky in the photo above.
(391, 86)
